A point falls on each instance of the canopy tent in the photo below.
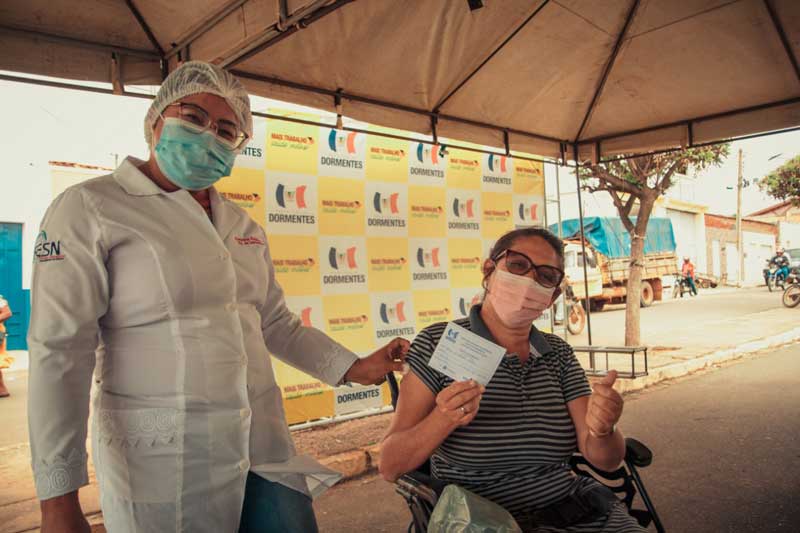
(550, 77)
(582, 80)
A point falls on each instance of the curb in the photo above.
(361, 461)
(354, 463)
(683, 368)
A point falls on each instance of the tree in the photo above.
(639, 182)
(783, 183)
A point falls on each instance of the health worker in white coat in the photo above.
(165, 291)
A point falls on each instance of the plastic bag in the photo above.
(460, 511)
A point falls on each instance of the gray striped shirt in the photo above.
(516, 450)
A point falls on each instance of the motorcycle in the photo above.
(791, 295)
(682, 285)
(774, 276)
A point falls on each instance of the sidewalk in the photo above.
(352, 447)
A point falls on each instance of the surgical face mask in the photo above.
(190, 158)
(517, 300)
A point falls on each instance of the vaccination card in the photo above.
(463, 355)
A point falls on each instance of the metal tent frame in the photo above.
(294, 18)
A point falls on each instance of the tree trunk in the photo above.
(634, 290)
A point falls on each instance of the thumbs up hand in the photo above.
(605, 407)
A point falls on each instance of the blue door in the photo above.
(11, 285)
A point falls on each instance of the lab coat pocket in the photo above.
(138, 453)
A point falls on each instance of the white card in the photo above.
(462, 355)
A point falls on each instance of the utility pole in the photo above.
(739, 243)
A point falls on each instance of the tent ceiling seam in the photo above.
(693, 121)
(776, 23)
(273, 35)
(688, 17)
(494, 52)
(389, 105)
(701, 145)
(80, 43)
(586, 20)
(204, 27)
(607, 69)
(145, 27)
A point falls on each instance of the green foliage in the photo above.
(644, 178)
(654, 173)
(784, 182)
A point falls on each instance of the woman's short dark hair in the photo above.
(507, 240)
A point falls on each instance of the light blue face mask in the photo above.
(192, 159)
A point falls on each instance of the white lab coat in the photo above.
(178, 313)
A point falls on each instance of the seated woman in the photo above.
(510, 441)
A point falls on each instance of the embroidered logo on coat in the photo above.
(47, 250)
(249, 241)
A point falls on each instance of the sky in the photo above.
(43, 124)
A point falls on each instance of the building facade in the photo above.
(759, 242)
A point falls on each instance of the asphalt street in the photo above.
(701, 312)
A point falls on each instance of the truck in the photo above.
(608, 248)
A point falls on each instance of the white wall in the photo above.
(24, 199)
(758, 248)
(789, 234)
(690, 235)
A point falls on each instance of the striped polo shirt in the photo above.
(516, 450)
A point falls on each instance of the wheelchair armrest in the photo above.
(428, 481)
(637, 453)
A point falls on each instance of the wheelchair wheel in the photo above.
(791, 296)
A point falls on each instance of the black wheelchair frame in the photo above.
(421, 490)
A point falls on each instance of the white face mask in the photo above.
(517, 300)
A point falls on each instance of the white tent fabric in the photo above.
(539, 76)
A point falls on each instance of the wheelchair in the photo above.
(421, 491)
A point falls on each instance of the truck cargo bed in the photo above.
(615, 271)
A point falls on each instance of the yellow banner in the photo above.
(431, 307)
(347, 320)
(296, 262)
(374, 238)
(387, 159)
(389, 268)
(465, 262)
(393, 316)
(292, 147)
(464, 169)
(497, 218)
(528, 177)
(426, 216)
(528, 210)
(246, 188)
(341, 206)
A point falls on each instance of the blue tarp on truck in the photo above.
(609, 237)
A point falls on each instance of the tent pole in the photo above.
(560, 236)
(583, 246)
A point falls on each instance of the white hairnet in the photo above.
(195, 77)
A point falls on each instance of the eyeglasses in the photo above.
(226, 131)
(520, 264)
